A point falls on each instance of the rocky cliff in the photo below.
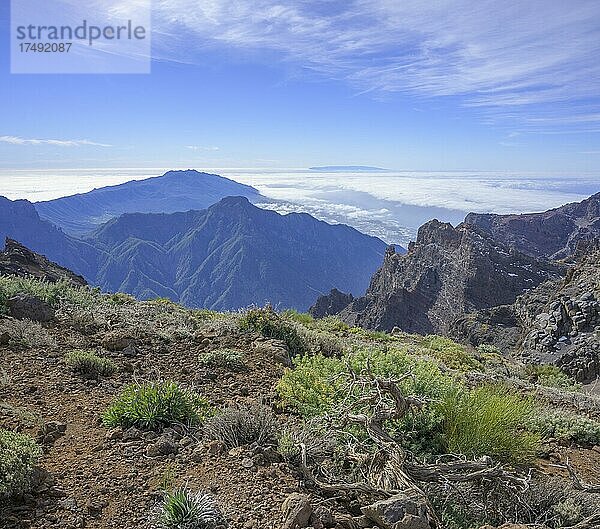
(558, 322)
(553, 234)
(17, 260)
(446, 273)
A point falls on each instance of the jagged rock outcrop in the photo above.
(552, 234)
(19, 260)
(447, 272)
(558, 322)
(330, 304)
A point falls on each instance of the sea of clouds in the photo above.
(390, 205)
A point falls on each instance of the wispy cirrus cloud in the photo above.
(209, 148)
(511, 60)
(17, 140)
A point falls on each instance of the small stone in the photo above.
(162, 447)
(247, 463)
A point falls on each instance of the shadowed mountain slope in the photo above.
(233, 254)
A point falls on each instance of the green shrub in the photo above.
(183, 509)
(19, 453)
(489, 420)
(89, 364)
(271, 325)
(316, 386)
(488, 349)
(310, 387)
(450, 353)
(120, 298)
(315, 342)
(299, 317)
(550, 376)
(243, 425)
(331, 324)
(155, 404)
(56, 294)
(230, 358)
(567, 428)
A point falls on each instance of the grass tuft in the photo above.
(18, 455)
(156, 404)
(184, 509)
(89, 364)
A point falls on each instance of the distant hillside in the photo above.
(174, 191)
(554, 233)
(233, 254)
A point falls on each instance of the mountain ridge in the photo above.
(173, 191)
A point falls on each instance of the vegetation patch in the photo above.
(452, 354)
(271, 325)
(550, 376)
(490, 420)
(229, 358)
(184, 509)
(567, 428)
(19, 454)
(242, 425)
(89, 364)
(156, 404)
(56, 294)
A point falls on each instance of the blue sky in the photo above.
(411, 85)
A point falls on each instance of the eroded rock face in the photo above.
(331, 304)
(18, 260)
(447, 273)
(556, 323)
(553, 234)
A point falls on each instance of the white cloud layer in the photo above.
(16, 140)
(502, 57)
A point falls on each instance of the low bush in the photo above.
(567, 428)
(56, 294)
(271, 325)
(242, 425)
(229, 358)
(299, 317)
(484, 421)
(318, 443)
(450, 353)
(550, 376)
(331, 324)
(315, 342)
(489, 420)
(18, 455)
(27, 334)
(184, 509)
(316, 387)
(156, 404)
(90, 365)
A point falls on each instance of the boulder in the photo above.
(399, 512)
(297, 511)
(29, 307)
(118, 341)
